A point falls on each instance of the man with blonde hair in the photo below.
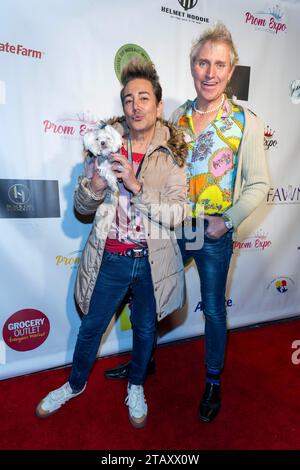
(227, 179)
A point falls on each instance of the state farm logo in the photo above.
(19, 49)
(269, 21)
(26, 330)
(257, 242)
(284, 195)
(70, 127)
(71, 260)
(281, 285)
(268, 138)
(185, 15)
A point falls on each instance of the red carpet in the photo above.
(261, 401)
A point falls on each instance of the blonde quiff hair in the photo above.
(217, 33)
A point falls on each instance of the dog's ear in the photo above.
(101, 125)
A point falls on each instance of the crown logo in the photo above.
(275, 11)
(86, 118)
(260, 234)
(268, 133)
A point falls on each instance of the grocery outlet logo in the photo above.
(26, 330)
(20, 50)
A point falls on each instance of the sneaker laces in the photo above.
(61, 394)
(136, 400)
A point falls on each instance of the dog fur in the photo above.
(98, 144)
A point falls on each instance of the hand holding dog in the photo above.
(123, 169)
(98, 184)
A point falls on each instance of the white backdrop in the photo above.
(56, 78)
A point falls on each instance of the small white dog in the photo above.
(99, 144)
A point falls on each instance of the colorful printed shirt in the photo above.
(212, 158)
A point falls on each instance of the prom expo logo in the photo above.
(257, 242)
(70, 127)
(71, 260)
(269, 140)
(270, 20)
(20, 50)
(26, 330)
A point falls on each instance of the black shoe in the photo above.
(122, 371)
(211, 402)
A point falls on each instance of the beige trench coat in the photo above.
(162, 205)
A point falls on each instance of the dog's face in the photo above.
(102, 141)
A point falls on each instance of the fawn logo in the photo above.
(284, 195)
(269, 21)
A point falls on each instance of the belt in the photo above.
(135, 252)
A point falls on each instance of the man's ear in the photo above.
(231, 73)
(159, 110)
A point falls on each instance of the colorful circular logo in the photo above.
(26, 330)
(125, 54)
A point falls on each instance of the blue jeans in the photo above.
(117, 275)
(212, 261)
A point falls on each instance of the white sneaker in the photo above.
(55, 399)
(137, 406)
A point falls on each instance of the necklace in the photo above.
(210, 110)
